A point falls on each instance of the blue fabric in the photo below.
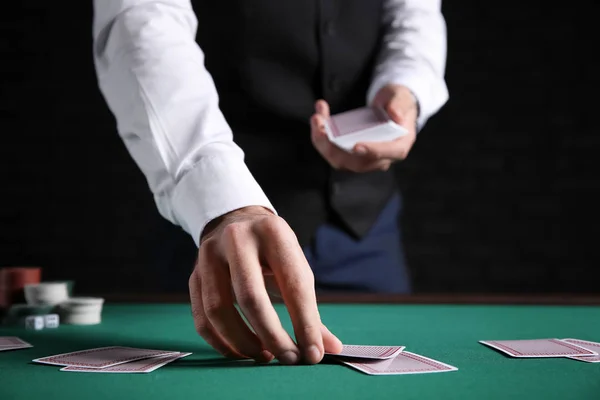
(374, 264)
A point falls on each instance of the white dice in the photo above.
(34, 322)
(51, 321)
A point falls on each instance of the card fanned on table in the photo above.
(145, 365)
(113, 359)
(539, 348)
(13, 343)
(592, 346)
(404, 363)
(368, 352)
(387, 360)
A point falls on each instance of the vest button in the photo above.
(330, 29)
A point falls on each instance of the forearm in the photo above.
(152, 75)
(413, 53)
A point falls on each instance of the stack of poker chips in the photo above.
(37, 305)
(81, 310)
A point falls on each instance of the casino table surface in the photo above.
(445, 331)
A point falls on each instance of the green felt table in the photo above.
(448, 333)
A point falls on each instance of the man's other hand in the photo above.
(401, 106)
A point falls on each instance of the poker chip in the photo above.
(46, 293)
(81, 310)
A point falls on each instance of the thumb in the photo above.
(393, 110)
(330, 342)
(322, 108)
(317, 129)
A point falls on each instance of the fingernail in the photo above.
(361, 150)
(288, 358)
(313, 354)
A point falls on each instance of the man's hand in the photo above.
(400, 104)
(240, 254)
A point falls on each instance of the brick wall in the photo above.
(500, 190)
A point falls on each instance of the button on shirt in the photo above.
(151, 73)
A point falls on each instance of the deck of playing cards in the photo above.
(544, 348)
(388, 360)
(115, 359)
(367, 124)
(12, 343)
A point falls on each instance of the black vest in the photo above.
(271, 60)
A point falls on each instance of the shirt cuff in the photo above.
(428, 101)
(215, 186)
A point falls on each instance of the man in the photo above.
(273, 64)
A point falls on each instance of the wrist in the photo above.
(233, 215)
(405, 93)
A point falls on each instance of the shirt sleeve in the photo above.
(413, 53)
(151, 73)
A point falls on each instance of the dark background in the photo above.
(501, 189)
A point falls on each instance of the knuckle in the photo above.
(273, 226)
(206, 250)
(308, 329)
(234, 233)
(215, 308)
(232, 230)
(200, 322)
(250, 302)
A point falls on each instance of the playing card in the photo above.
(140, 366)
(404, 363)
(356, 120)
(366, 124)
(538, 348)
(12, 343)
(369, 352)
(102, 357)
(593, 346)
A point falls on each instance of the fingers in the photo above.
(222, 315)
(341, 159)
(322, 108)
(392, 108)
(394, 150)
(330, 342)
(252, 296)
(201, 322)
(296, 283)
(318, 135)
(365, 157)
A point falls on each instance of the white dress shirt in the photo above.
(151, 73)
